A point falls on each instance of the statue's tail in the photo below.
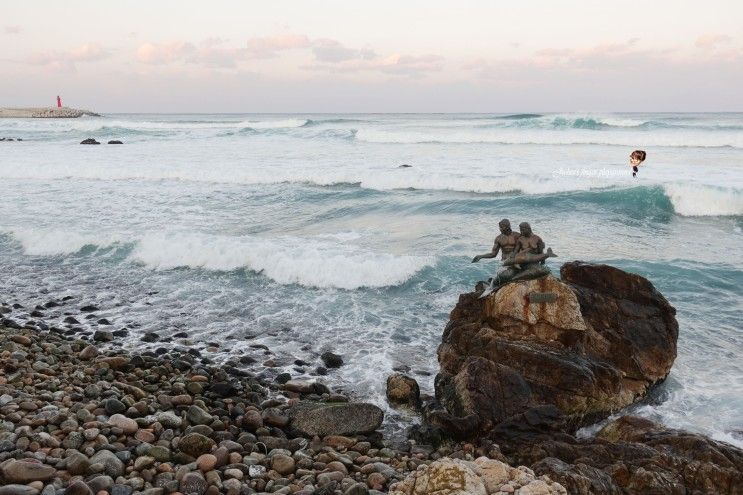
(550, 253)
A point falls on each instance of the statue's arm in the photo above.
(491, 254)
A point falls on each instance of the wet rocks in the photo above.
(403, 390)
(331, 360)
(115, 141)
(89, 141)
(103, 336)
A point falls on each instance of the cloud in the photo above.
(327, 50)
(164, 53)
(397, 64)
(12, 30)
(710, 41)
(329, 55)
(268, 47)
(213, 53)
(67, 60)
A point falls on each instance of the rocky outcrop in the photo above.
(89, 141)
(482, 477)
(607, 337)
(629, 456)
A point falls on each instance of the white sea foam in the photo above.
(51, 242)
(287, 260)
(704, 201)
(274, 124)
(672, 138)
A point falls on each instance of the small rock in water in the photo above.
(89, 141)
(89, 309)
(115, 141)
(103, 336)
(331, 359)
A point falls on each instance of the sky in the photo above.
(373, 56)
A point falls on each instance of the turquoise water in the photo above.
(301, 232)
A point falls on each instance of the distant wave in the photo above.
(324, 261)
(497, 135)
(519, 116)
(274, 124)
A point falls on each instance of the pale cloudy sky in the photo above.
(380, 56)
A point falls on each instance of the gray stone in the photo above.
(337, 419)
(193, 483)
(78, 488)
(195, 444)
(119, 489)
(198, 416)
(112, 465)
(77, 463)
(168, 419)
(26, 472)
(114, 406)
(101, 482)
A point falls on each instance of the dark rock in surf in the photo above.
(115, 141)
(89, 141)
(331, 359)
(103, 336)
(403, 390)
(608, 338)
(89, 308)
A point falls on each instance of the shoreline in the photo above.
(45, 113)
(109, 421)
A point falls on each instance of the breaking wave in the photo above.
(320, 262)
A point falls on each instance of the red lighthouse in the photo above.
(59, 102)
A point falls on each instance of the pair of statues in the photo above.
(522, 253)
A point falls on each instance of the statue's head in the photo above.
(525, 229)
(505, 226)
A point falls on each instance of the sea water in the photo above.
(303, 233)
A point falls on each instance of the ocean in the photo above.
(303, 233)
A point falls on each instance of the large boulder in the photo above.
(606, 337)
(482, 477)
(312, 419)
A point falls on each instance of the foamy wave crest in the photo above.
(705, 201)
(274, 124)
(44, 242)
(505, 135)
(286, 260)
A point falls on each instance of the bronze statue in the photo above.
(522, 254)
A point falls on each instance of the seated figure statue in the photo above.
(524, 261)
